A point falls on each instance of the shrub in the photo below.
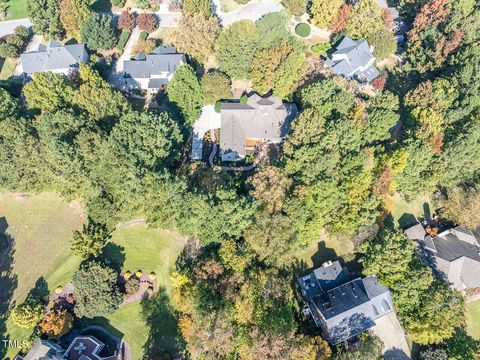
(303, 30)
(321, 49)
(243, 2)
(147, 22)
(127, 275)
(126, 21)
(144, 47)
(58, 290)
(243, 99)
(56, 324)
(296, 7)
(132, 286)
(124, 36)
(143, 35)
(118, 3)
(152, 276)
(218, 107)
(27, 314)
(139, 273)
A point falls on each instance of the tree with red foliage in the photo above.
(431, 14)
(147, 22)
(126, 20)
(379, 83)
(339, 23)
(453, 43)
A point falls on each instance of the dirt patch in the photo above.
(241, 86)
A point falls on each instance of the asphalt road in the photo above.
(7, 27)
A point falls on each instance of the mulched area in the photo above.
(142, 293)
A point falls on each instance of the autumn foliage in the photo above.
(147, 22)
(126, 21)
(56, 323)
(340, 21)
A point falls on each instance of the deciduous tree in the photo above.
(126, 20)
(48, 91)
(324, 12)
(197, 6)
(462, 205)
(45, 17)
(73, 14)
(27, 314)
(147, 22)
(56, 323)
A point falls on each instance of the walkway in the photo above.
(248, 12)
(127, 51)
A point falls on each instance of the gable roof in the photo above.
(164, 59)
(351, 60)
(454, 252)
(53, 57)
(348, 308)
(44, 350)
(260, 118)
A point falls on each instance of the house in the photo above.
(259, 120)
(454, 253)
(151, 71)
(83, 347)
(353, 60)
(343, 306)
(54, 57)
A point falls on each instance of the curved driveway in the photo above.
(248, 12)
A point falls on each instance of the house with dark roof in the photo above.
(353, 60)
(83, 347)
(454, 254)
(258, 121)
(53, 57)
(151, 71)
(343, 306)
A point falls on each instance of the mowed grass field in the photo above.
(16, 9)
(473, 319)
(41, 227)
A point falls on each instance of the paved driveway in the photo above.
(389, 330)
(248, 12)
(209, 119)
(127, 51)
(7, 27)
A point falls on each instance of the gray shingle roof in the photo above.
(163, 59)
(349, 307)
(353, 60)
(53, 57)
(259, 118)
(44, 350)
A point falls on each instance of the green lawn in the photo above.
(404, 213)
(8, 68)
(473, 319)
(41, 227)
(16, 9)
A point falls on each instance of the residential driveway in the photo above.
(7, 27)
(127, 51)
(389, 330)
(209, 119)
(248, 12)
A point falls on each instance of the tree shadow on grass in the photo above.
(40, 290)
(113, 255)
(164, 339)
(8, 280)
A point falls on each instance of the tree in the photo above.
(216, 86)
(270, 188)
(324, 12)
(147, 22)
(73, 14)
(277, 68)
(126, 20)
(48, 91)
(196, 36)
(272, 231)
(236, 47)
(15, 43)
(90, 241)
(56, 323)
(434, 354)
(144, 46)
(148, 141)
(461, 346)
(27, 314)
(96, 290)
(384, 42)
(197, 6)
(185, 92)
(9, 106)
(338, 25)
(369, 346)
(45, 17)
(296, 7)
(462, 205)
(365, 20)
(97, 96)
(97, 32)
